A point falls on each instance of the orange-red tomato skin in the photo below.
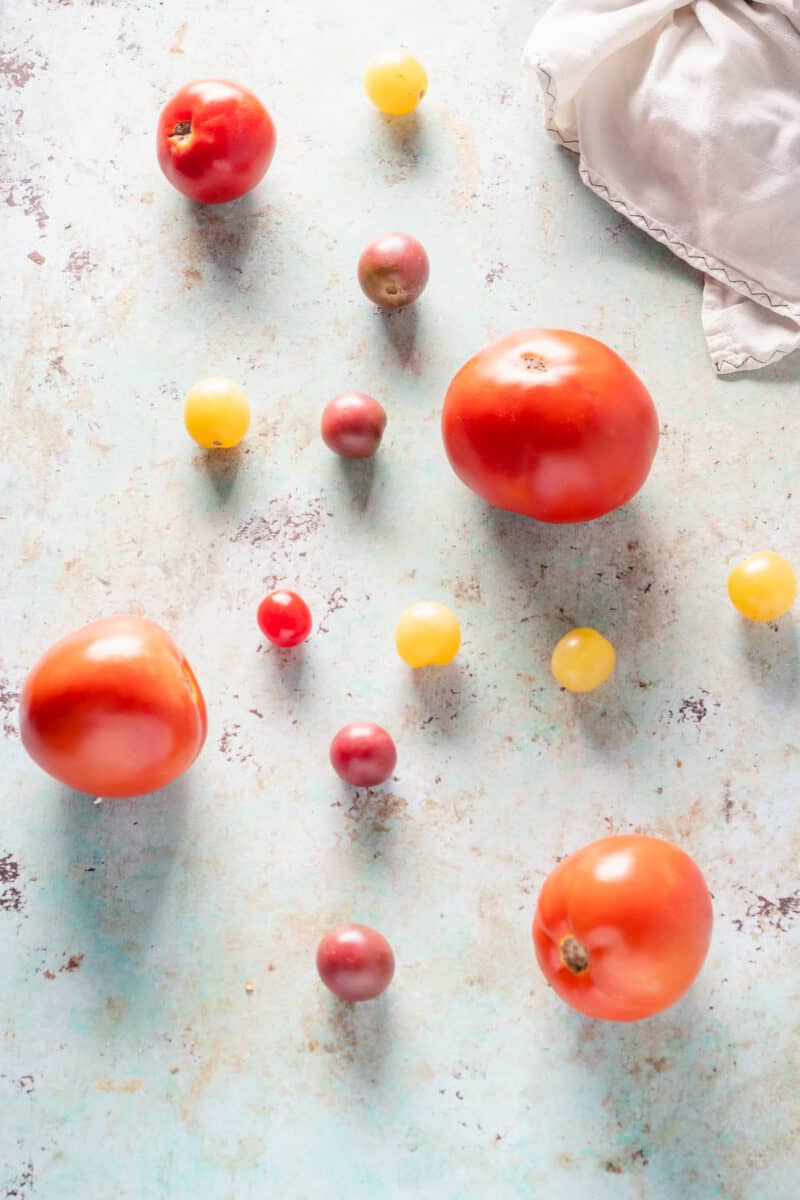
(113, 709)
(215, 140)
(640, 908)
(551, 424)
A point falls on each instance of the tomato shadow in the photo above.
(603, 574)
(660, 1087)
(359, 477)
(360, 1037)
(771, 655)
(288, 666)
(372, 822)
(120, 878)
(221, 468)
(221, 235)
(440, 694)
(401, 326)
(403, 142)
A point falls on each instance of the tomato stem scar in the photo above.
(182, 129)
(533, 362)
(573, 955)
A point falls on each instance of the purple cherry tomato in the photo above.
(393, 270)
(355, 962)
(363, 754)
(353, 425)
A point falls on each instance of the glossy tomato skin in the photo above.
(113, 709)
(355, 962)
(363, 754)
(550, 424)
(353, 424)
(393, 270)
(284, 618)
(623, 926)
(215, 141)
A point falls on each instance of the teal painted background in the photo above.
(132, 1062)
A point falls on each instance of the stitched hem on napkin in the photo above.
(727, 357)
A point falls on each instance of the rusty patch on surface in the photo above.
(79, 263)
(336, 601)
(177, 45)
(658, 1064)
(18, 71)
(693, 709)
(779, 914)
(31, 201)
(9, 699)
(287, 521)
(73, 963)
(23, 1183)
(231, 746)
(496, 272)
(373, 811)
(122, 1087)
(618, 1166)
(467, 589)
(10, 896)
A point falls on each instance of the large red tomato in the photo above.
(550, 424)
(113, 709)
(623, 926)
(215, 140)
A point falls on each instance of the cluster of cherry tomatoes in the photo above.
(546, 423)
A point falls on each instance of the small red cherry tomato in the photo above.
(363, 754)
(393, 270)
(355, 962)
(622, 927)
(215, 141)
(353, 425)
(284, 618)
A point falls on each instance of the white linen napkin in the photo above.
(686, 117)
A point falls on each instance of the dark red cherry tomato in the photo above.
(353, 425)
(363, 754)
(215, 141)
(284, 618)
(393, 270)
(355, 962)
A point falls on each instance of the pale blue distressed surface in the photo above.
(147, 1071)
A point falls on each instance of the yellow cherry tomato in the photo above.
(427, 634)
(763, 587)
(582, 660)
(395, 82)
(217, 413)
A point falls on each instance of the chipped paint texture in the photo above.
(128, 930)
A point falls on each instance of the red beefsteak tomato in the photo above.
(551, 424)
(215, 140)
(623, 926)
(113, 709)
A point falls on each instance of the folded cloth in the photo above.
(686, 117)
